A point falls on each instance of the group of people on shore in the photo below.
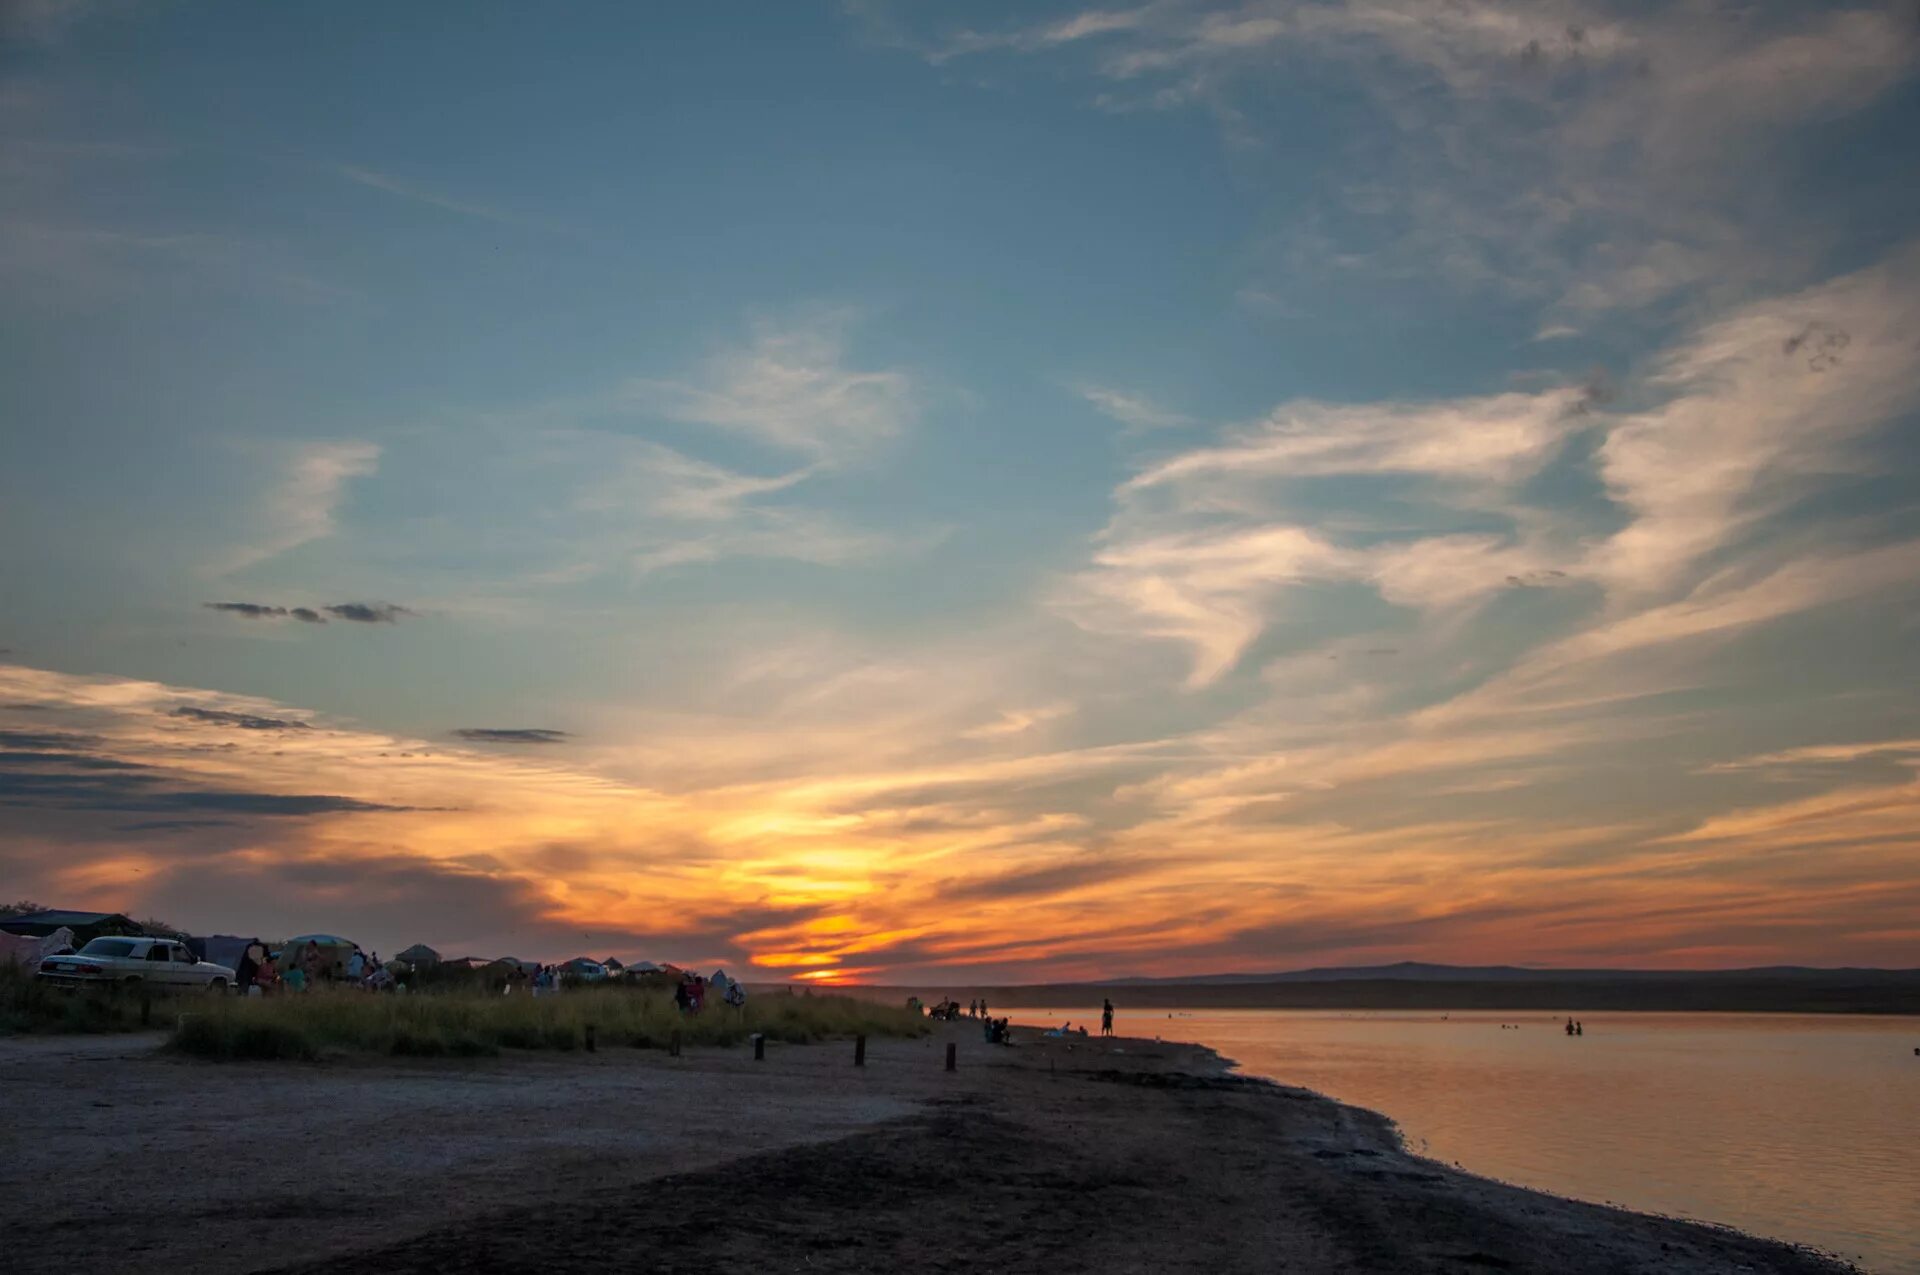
(1576, 1029)
(259, 972)
(1106, 1023)
(690, 994)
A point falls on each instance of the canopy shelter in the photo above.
(86, 926)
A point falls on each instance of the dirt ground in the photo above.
(1054, 1156)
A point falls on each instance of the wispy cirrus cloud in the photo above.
(1577, 154)
(1899, 750)
(791, 388)
(1135, 411)
(419, 193)
(1757, 406)
(792, 393)
(671, 484)
(300, 505)
(1744, 416)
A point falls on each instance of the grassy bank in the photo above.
(455, 1025)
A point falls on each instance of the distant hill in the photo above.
(1423, 972)
(1414, 986)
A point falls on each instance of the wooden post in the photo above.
(673, 1043)
(759, 1047)
(953, 1054)
(589, 1037)
(146, 1009)
(859, 1051)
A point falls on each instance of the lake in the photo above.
(1801, 1127)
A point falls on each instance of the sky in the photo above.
(898, 491)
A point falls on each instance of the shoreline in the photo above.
(1056, 1155)
(1394, 1141)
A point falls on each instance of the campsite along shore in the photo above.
(1056, 1155)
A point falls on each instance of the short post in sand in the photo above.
(146, 1009)
(759, 1047)
(589, 1037)
(953, 1054)
(673, 1043)
(859, 1051)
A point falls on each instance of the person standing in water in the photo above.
(1106, 1016)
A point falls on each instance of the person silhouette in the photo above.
(1106, 1017)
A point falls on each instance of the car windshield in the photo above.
(108, 947)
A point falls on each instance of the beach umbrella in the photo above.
(334, 951)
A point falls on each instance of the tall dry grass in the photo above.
(325, 1022)
(32, 1004)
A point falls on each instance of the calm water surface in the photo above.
(1803, 1127)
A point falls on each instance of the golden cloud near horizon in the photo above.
(868, 877)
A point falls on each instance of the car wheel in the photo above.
(216, 987)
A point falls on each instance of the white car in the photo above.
(129, 962)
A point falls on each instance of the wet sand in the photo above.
(1056, 1156)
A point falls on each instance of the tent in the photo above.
(28, 949)
(19, 949)
(720, 982)
(221, 949)
(419, 954)
(643, 967)
(586, 968)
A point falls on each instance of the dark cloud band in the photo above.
(367, 612)
(515, 735)
(245, 721)
(353, 612)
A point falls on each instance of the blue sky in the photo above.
(1205, 485)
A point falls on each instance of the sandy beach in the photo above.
(1055, 1156)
